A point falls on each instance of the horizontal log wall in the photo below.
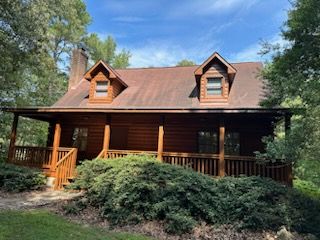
(180, 131)
(95, 125)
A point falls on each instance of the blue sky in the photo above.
(162, 32)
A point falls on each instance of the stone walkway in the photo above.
(34, 199)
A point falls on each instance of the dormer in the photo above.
(105, 83)
(214, 80)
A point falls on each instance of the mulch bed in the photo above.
(91, 217)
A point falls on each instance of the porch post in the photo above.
(287, 124)
(50, 134)
(13, 137)
(106, 138)
(287, 127)
(160, 139)
(221, 148)
(55, 147)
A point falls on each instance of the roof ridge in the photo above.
(135, 68)
(141, 68)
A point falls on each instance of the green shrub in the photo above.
(16, 179)
(133, 189)
(75, 206)
(308, 188)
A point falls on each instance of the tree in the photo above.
(106, 50)
(22, 37)
(36, 39)
(185, 62)
(293, 80)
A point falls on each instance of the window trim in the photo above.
(92, 93)
(214, 131)
(95, 89)
(232, 132)
(214, 88)
(210, 99)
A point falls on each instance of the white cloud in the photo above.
(226, 5)
(104, 35)
(157, 53)
(247, 54)
(251, 53)
(128, 19)
(154, 55)
(210, 7)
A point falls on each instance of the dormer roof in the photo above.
(104, 66)
(215, 57)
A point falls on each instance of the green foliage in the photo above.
(40, 224)
(76, 206)
(185, 62)
(18, 179)
(293, 80)
(106, 50)
(36, 39)
(133, 189)
(307, 188)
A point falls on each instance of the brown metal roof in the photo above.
(170, 88)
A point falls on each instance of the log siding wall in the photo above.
(180, 132)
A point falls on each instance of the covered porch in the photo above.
(218, 143)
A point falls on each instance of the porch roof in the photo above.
(48, 113)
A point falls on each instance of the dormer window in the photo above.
(101, 90)
(214, 86)
(214, 79)
(105, 83)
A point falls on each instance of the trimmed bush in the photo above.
(17, 179)
(134, 189)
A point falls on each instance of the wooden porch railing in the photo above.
(102, 154)
(242, 165)
(41, 157)
(122, 153)
(209, 164)
(65, 169)
(203, 163)
(37, 157)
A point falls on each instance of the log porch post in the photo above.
(287, 127)
(50, 134)
(287, 124)
(106, 138)
(13, 137)
(221, 148)
(160, 139)
(55, 146)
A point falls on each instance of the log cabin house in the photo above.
(204, 117)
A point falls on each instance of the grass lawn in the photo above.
(41, 224)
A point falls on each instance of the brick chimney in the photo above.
(78, 68)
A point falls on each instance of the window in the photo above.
(232, 143)
(207, 142)
(214, 86)
(80, 138)
(101, 89)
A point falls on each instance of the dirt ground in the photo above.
(33, 199)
